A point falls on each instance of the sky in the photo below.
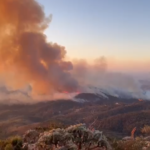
(116, 29)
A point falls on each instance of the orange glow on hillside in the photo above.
(140, 100)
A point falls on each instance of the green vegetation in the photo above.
(136, 144)
(76, 137)
(13, 143)
(116, 121)
(146, 130)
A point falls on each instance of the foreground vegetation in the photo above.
(76, 137)
(116, 121)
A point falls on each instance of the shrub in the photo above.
(13, 143)
(146, 130)
(9, 147)
(136, 144)
(74, 137)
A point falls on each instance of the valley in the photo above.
(112, 115)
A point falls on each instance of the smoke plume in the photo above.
(27, 59)
(97, 75)
(25, 55)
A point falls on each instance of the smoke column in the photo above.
(26, 58)
(25, 55)
(97, 74)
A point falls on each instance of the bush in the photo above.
(13, 143)
(9, 147)
(74, 137)
(146, 130)
(136, 144)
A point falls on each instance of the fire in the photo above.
(78, 92)
(66, 92)
(140, 100)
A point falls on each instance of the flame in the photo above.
(66, 92)
(78, 92)
(140, 100)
